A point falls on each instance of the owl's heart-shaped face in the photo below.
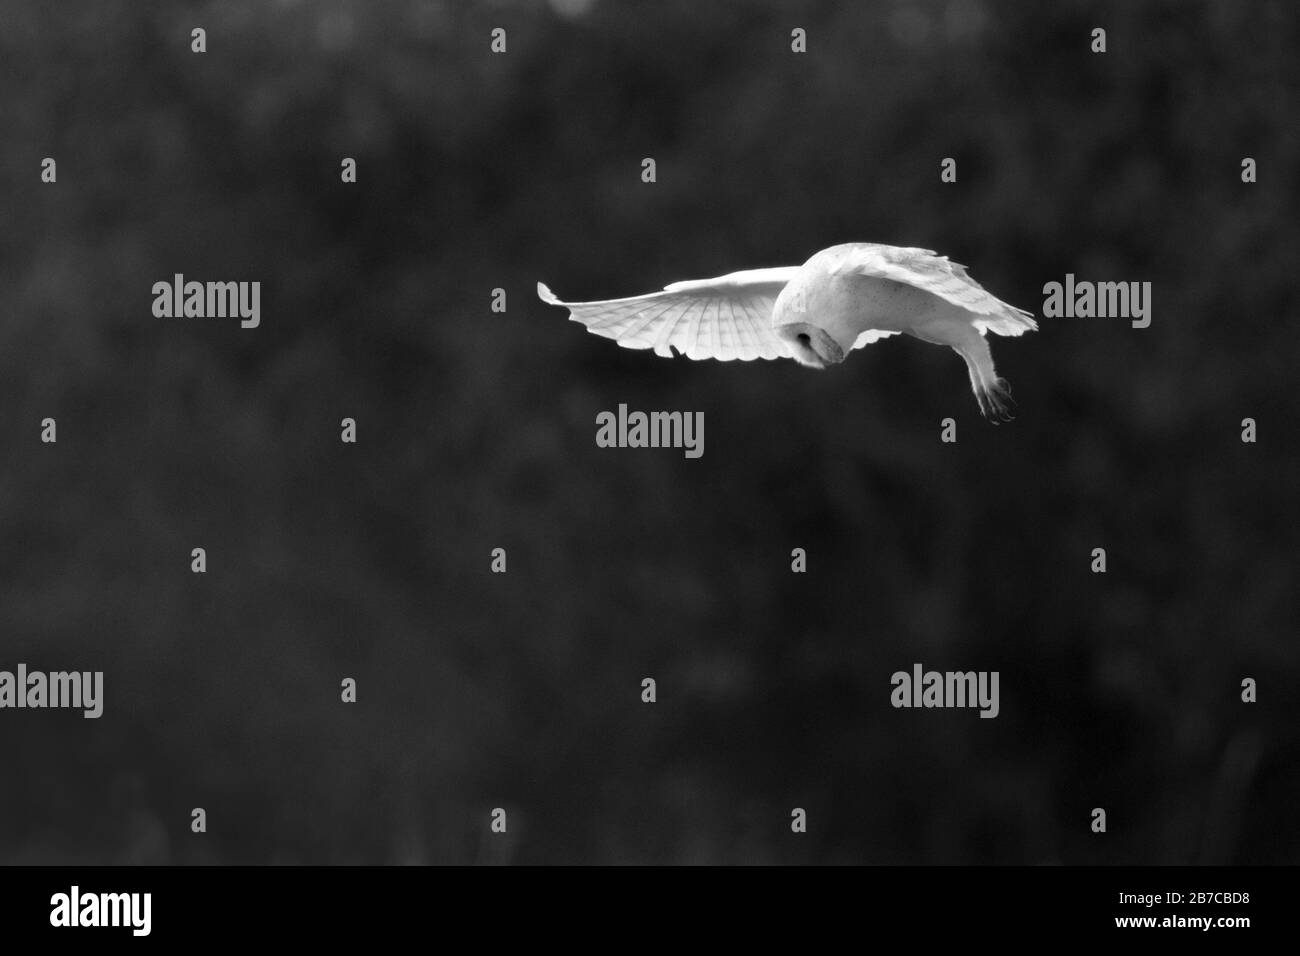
(811, 346)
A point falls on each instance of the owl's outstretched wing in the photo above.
(726, 318)
(939, 276)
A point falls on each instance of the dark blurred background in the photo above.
(476, 430)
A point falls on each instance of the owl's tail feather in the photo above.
(1010, 321)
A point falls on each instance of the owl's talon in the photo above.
(997, 403)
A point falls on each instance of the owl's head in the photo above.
(799, 318)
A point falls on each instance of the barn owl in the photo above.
(841, 299)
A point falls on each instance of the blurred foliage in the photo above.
(476, 431)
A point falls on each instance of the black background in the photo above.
(476, 431)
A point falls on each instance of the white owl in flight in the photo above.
(841, 299)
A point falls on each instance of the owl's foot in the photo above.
(996, 402)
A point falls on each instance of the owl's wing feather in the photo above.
(726, 318)
(871, 335)
(940, 276)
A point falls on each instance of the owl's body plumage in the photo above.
(842, 298)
